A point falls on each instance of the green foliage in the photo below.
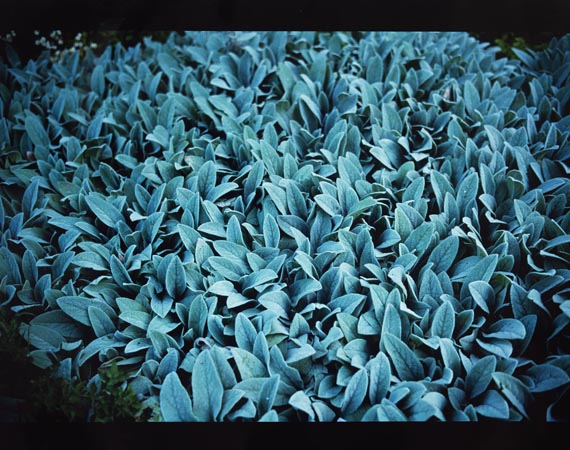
(11, 343)
(58, 400)
(107, 400)
(290, 227)
(112, 401)
(507, 41)
(519, 42)
(30, 394)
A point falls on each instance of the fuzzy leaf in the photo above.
(207, 388)
(444, 254)
(36, 131)
(483, 271)
(443, 321)
(271, 232)
(405, 362)
(175, 403)
(482, 293)
(245, 332)
(175, 278)
(514, 389)
(355, 392)
(100, 322)
(248, 365)
(300, 401)
(479, 376)
(506, 329)
(420, 238)
(493, 405)
(104, 210)
(379, 378)
(547, 377)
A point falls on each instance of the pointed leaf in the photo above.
(493, 405)
(443, 321)
(175, 403)
(444, 254)
(207, 388)
(36, 131)
(245, 332)
(405, 362)
(379, 378)
(514, 389)
(175, 280)
(271, 232)
(506, 329)
(355, 392)
(103, 209)
(248, 365)
(547, 377)
(300, 401)
(479, 376)
(100, 322)
(267, 394)
(482, 293)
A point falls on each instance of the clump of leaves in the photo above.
(12, 345)
(16, 369)
(112, 400)
(30, 394)
(57, 400)
(293, 226)
(507, 41)
(107, 400)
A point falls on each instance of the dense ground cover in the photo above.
(294, 226)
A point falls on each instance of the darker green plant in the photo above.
(58, 400)
(29, 394)
(113, 400)
(15, 369)
(507, 41)
(109, 400)
(11, 343)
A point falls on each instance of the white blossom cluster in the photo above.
(8, 37)
(55, 42)
(80, 44)
(54, 39)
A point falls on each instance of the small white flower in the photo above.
(36, 32)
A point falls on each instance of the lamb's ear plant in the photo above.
(291, 226)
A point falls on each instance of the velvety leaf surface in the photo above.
(294, 226)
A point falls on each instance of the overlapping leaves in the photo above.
(295, 226)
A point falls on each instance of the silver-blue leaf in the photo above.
(175, 403)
